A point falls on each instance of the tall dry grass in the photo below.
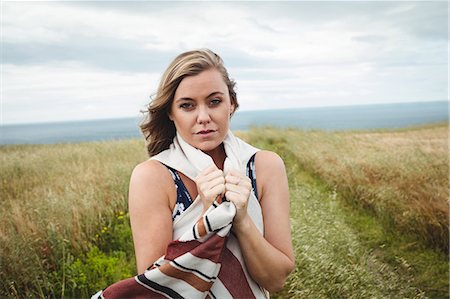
(55, 199)
(347, 250)
(401, 176)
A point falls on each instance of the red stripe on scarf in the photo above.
(177, 248)
(188, 277)
(210, 249)
(233, 277)
(130, 288)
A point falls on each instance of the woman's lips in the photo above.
(205, 132)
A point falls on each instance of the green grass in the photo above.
(332, 261)
(399, 176)
(362, 207)
(344, 251)
(56, 202)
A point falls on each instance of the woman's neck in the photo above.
(218, 155)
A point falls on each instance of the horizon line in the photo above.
(137, 117)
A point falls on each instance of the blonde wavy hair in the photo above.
(157, 128)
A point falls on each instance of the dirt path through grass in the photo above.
(331, 260)
(355, 236)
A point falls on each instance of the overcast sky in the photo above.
(103, 59)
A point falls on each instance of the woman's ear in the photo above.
(231, 109)
(170, 116)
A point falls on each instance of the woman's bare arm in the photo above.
(269, 258)
(150, 212)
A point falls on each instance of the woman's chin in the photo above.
(207, 146)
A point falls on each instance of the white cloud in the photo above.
(400, 9)
(72, 60)
(52, 93)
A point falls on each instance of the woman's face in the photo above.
(201, 110)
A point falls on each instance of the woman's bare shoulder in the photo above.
(267, 161)
(151, 175)
(148, 169)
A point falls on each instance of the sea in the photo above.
(338, 118)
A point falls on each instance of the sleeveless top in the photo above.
(184, 200)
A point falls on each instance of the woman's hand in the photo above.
(210, 184)
(238, 188)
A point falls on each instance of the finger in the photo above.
(234, 172)
(206, 186)
(235, 198)
(242, 180)
(242, 191)
(232, 179)
(217, 181)
(237, 191)
(209, 176)
(209, 169)
(215, 174)
(210, 181)
(206, 171)
(215, 191)
(245, 182)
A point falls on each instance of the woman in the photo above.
(188, 126)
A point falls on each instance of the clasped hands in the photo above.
(235, 186)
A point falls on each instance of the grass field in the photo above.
(402, 177)
(369, 214)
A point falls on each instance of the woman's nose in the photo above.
(203, 115)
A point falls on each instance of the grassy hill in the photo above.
(369, 214)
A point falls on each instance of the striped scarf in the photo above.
(204, 260)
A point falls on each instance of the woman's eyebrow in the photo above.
(214, 93)
(190, 99)
(183, 99)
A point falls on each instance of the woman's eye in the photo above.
(215, 102)
(186, 105)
